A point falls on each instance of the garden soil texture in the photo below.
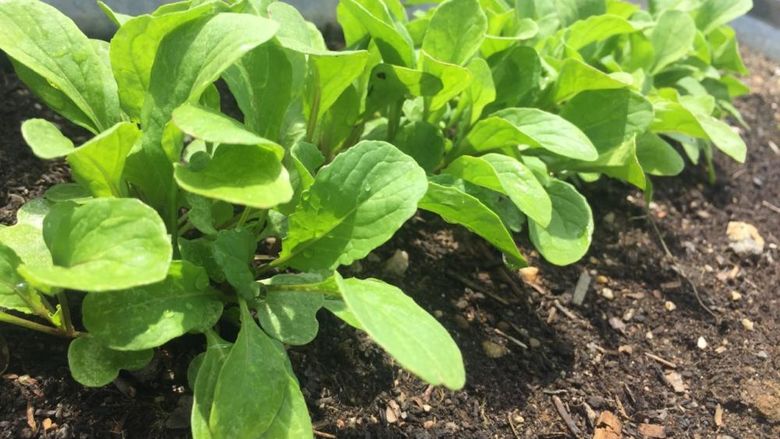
(640, 355)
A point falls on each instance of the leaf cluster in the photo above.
(488, 113)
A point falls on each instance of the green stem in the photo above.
(244, 217)
(394, 120)
(67, 320)
(18, 321)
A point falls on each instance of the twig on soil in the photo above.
(564, 310)
(512, 426)
(678, 268)
(474, 286)
(510, 338)
(770, 206)
(325, 435)
(564, 414)
(661, 360)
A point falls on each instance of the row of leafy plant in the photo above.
(487, 113)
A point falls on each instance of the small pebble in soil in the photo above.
(744, 239)
(701, 343)
(735, 296)
(608, 294)
(670, 306)
(534, 343)
(494, 350)
(747, 324)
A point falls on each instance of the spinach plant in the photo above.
(489, 113)
(160, 229)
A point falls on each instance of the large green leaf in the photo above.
(407, 332)
(672, 38)
(233, 251)
(147, 317)
(262, 84)
(568, 236)
(456, 31)
(715, 13)
(508, 176)
(481, 92)
(363, 18)
(252, 384)
(196, 54)
(597, 28)
(530, 127)
(134, 49)
(658, 157)
(609, 117)
(247, 170)
(423, 142)
(99, 163)
(104, 245)
(517, 74)
(217, 351)
(94, 365)
(59, 63)
(458, 207)
(355, 204)
(575, 76)
(454, 79)
(330, 74)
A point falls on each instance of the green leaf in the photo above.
(213, 126)
(67, 192)
(458, 207)
(576, 76)
(196, 54)
(518, 77)
(262, 83)
(390, 84)
(217, 351)
(59, 63)
(618, 161)
(104, 245)
(45, 139)
(597, 28)
(26, 240)
(252, 384)
(362, 18)
(508, 176)
(609, 117)
(407, 332)
(454, 79)
(529, 127)
(568, 236)
(657, 157)
(94, 365)
(571, 11)
(134, 48)
(714, 13)
(456, 31)
(481, 92)
(423, 142)
(233, 251)
(147, 317)
(672, 38)
(355, 204)
(9, 279)
(289, 311)
(332, 73)
(206, 215)
(726, 54)
(99, 164)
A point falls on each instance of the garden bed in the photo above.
(599, 355)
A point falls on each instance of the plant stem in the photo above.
(18, 321)
(67, 320)
(393, 120)
(244, 217)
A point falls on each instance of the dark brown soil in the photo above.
(593, 356)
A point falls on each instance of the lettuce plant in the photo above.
(488, 113)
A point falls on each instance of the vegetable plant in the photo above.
(490, 114)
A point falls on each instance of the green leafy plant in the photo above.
(487, 113)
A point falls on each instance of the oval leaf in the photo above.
(103, 245)
(568, 236)
(407, 332)
(94, 365)
(147, 317)
(355, 204)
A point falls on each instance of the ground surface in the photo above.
(612, 354)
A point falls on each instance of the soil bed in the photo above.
(526, 345)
